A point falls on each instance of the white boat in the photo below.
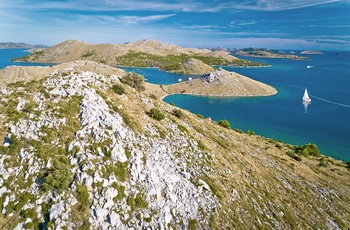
(306, 97)
(309, 66)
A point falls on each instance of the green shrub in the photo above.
(89, 53)
(134, 80)
(225, 124)
(15, 145)
(131, 201)
(238, 130)
(178, 113)
(293, 155)
(153, 96)
(23, 200)
(29, 225)
(249, 132)
(192, 224)
(118, 89)
(348, 164)
(156, 114)
(140, 201)
(201, 145)
(182, 128)
(29, 213)
(57, 178)
(4, 150)
(308, 150)
(200, 116)
(120, 189)
(83, 197)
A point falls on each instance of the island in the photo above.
(310, 52)
(143, 53)
(10, 45)
(267, 53)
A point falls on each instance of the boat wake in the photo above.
(331, 102)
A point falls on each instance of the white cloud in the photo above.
(278, 5)
(143, 19)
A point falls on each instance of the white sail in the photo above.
(306, 97)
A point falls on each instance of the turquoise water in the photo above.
(153, 75)
(7, 54)
(282, 116)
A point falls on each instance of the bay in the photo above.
(282, 116)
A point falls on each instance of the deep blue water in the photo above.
(7, 54)
(155, 76)
(282, 116)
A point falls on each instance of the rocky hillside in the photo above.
(191, 66)
(82, 150)
(144, 53)
(221, 83)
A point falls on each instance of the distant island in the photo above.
(266, 53)
(310, 52)
(8, 45)
(143, 53)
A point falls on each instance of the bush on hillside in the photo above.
(178, 113)
(308, 150)
(225, 124)
(118, 88)
(134, 80)
(348, 164)
(156, 114)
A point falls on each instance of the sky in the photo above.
(275, 24)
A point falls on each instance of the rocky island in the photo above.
(143, 53)
(310, 52)
(266, 53)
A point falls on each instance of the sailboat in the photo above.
(306, 97)
(306, 100)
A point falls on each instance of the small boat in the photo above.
(306, 97)
(306, 100)
(309, 66)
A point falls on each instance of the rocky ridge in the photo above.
(157, 177)
(78, 155)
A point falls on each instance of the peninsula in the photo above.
(216, 83)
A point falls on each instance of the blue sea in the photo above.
(325, 122)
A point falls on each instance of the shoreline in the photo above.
(216, 96)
